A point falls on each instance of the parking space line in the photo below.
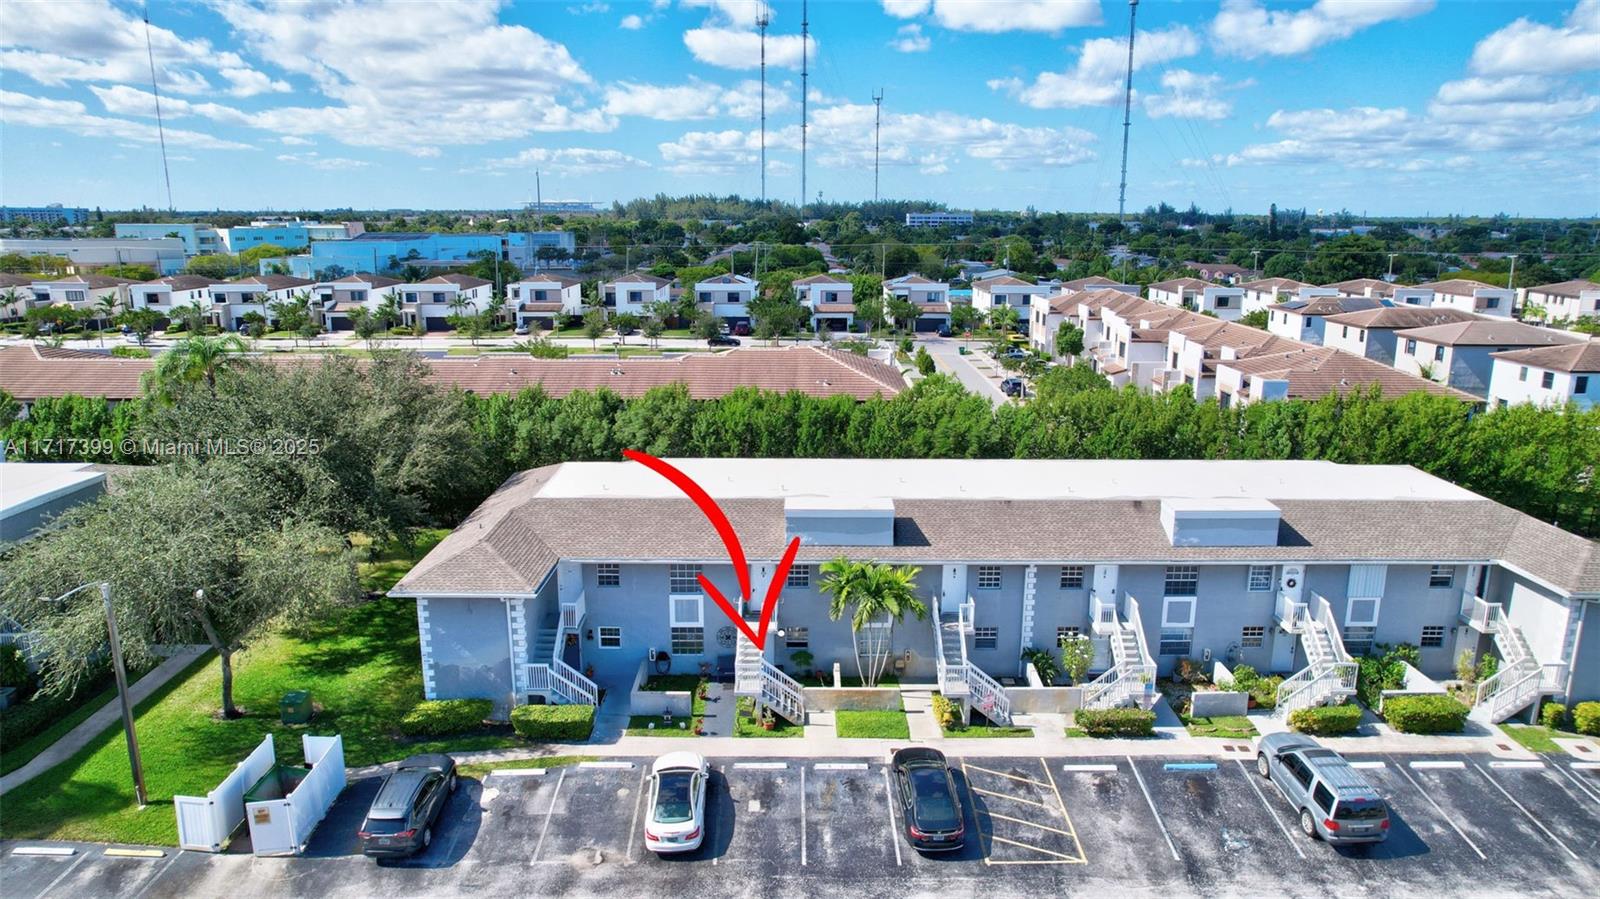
(1529, 765)
(983, 846)
(840, 766)
(1369, 766)
(1250, 779)
(1026, 780)
(157, 876)
(1082, 856)
(1065, 833)
(517, 772)
(547, 816)
(802, 815)
(1586, 766)
(1428, 766)
(1065, 859)
(1536, 821)
(1587, 791)
(1436, 807)
(63, 875)
(633, 826)
(888, 799)
(605, 764)
(1005, 795)
(1152, 803)
(1087, 768)
(762, 766)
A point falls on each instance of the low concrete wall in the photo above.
(1030, 700)
(1416, 684)
(652, 702)
(1216, 703)
(829, 699)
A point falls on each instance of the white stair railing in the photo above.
(1292, 616)
(988, 696)
(1329, 675)
(756, 676)
(572, 686)
(572, 613)
(1131, 677)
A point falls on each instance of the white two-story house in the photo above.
(728, 297)
(434, 301)
(542, 298)
(1226, 303)
(231, 301)
(830, 300)
(633, 293)
(1461, 354)
(932, 299)
(1006, 290)
(1567, 301)
(1303, 319)
(1269, 292)
(163, 295)
(1547, 376)
(1471, 296)
(333, 302)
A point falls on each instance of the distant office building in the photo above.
(288, 234)
(55, 212)
(198, 238)
(561, 207)
(389, 251)
(937, 219)
(86, 254)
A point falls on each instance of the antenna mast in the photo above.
(805, 40)
(161, 130)
(1127, 113)
(762, 21)
(877, 128)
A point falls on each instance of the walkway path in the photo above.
(948, 359)
(103, 717)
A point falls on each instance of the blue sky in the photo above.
(1379, 106)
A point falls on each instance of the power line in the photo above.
(161, 131)
(1127, 113)
(877, 130)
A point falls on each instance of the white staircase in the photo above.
(1329, 676)
(558, 682)
(959, 678)
(755, 676)
(1132, 675)
(1521, 680)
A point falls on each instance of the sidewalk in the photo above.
(103, 717)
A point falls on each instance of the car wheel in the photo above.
(427, 837)
(1308, 824)
(1262, 768)
(452, 783)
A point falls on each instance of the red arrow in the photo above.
(730, 540)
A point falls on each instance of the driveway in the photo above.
(948, 359)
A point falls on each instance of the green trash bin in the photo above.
(295, 708)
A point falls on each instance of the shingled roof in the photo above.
(1403, 317)
(1487, 332)
(1575, 357)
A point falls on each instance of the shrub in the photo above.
(130, 352)
(905, 345)
(1586, 718)
(1043, 661)
(1244, 680)
(925, 364)
(1327, 720)
(946, 712)
(1265, 691)
(1116, 722)
(1383, 670)
(556, 723)
(1553, 715)
(1430, 714)
(14, 670)
(440, 717)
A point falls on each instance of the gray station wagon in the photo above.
(1333, 800)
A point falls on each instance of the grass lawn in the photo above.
(653, 726)
(387, 564)
(1077, 732)
(14, 757)
(746, 725)
(1231, 727)
(360, 665)
(987, 730)
(1535, 737)
(882, 725)
(548, 761)
(641, 725)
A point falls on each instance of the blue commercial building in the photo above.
(198, 238)
(383, 252)
(55, 212)
(289, 235)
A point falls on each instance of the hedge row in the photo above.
(441, 717)
(1430, 714)
(553, 723)
(1586, 718)
(1326, 720)
(1116, 722)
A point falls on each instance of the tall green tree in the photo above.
(195, 359)
(876, 596)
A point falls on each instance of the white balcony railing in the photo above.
(572, 613)
(1480, 615)
(1103, 614)
(1292, 616)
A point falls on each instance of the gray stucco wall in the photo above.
(1470, 367)
(640, 607)
(1586, 661)
(15, 527)
(1381, 344)
(471, 652)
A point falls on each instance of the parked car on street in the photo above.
(1013, 387)
(929, 808)
(1334, 802)
(1014, 354)
(402, 816)
(677, 818)
(722, 340)
(742, 329)
(520, 330)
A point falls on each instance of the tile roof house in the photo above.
(1314, 372)
(1569, 300)
(1303, 319)
(1472, 296)
(1272, 291)
(1371, 332)
(1460, 354)
(634, 292)
(1547, 376)
(543, 297)
(1200, 296)
(830, 299)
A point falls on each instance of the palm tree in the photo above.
(195, 359)
(105, 310)
(877, 595)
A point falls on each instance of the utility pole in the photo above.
(877, 130)
(805, 52)
(538, 213)
(1127, 113)
(762, 21)
(161, 132)
(1511, 278)
(135, 765)
(1391, 265)
(1256, 261)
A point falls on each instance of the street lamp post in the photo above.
(122, 685)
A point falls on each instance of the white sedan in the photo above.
(677, 816)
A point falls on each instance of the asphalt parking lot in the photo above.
(1463, 826)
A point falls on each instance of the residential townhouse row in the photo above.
(578, 577)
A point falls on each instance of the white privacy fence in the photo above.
(206, 822)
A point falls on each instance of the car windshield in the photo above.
(674, 797)
(1359, 810)
(934, 807)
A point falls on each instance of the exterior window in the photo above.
(797, 638)
(705, 296)
(411, 296)
(988, 577)
(1252, 636)
(610, 637)
(1361, 612)
(1522, 373)
(636, 296)
(1178, 611)
(1176, 642)
(76, 296)
(985, 637)
(360, 296)
(1260, 580)
(1411, 347)
(799, 576)
(608, 574)
(1438, 354)
(1547, 380)
(1432, 636)
(1072, 577)
(683, 578)
(1063, 634)
(1442, 576)
(688, 641)
(1494, 303)
(1358, 640)
(1580, 384)
(1182, 580)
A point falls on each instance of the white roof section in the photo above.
(26, 485)
(845, 482)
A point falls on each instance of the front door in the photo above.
(1283, 644)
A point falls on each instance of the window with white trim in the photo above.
(610, 637)
(1063, 634)
(1432, 636)
(1182, 580)
(1361, 611)
(1252, 636)
(683, 578)
(988, 577)
(1260, 579)
(797, 638)
(1178, 611)
(688, 641)
(1176, 642)
(799, 576)
(608, 574)
(1442, 576)
(1358, 640)
(1072, 577)
(985, 637)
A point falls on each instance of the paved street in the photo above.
(1463, 825)
(946, 355)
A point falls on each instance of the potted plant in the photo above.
(768, 722)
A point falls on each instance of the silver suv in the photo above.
(1333, 800)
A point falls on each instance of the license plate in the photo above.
(384, 841)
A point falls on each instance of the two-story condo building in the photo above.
(728, 297)
(1567, 301)
(82, 291)
(1304, 319)
(541, 298)
(1471, 296)
(1292, 567)
(634, 292)
(333, 302)
(1461, 354)
(1547, 376)
(830, 300)
(231, 301)
(1268, 292)
(932, 299)
(1371, 332)
(1226, 303)
(1196, 348)
(163, 295)
(1313, 372)
(1047, 312)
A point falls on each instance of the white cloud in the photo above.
(1486, 90)
(695, 100)
(910, 39)
(1189, 95)
(289, 140)
(1246, 28)
(734, 48)
(249, 82)
(1097, 77)
(589, 9)
(1526, 46)
(632, 22)
(72, 116)
(740, 13)
(323, 163)
(567, 160)
(997, 16)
